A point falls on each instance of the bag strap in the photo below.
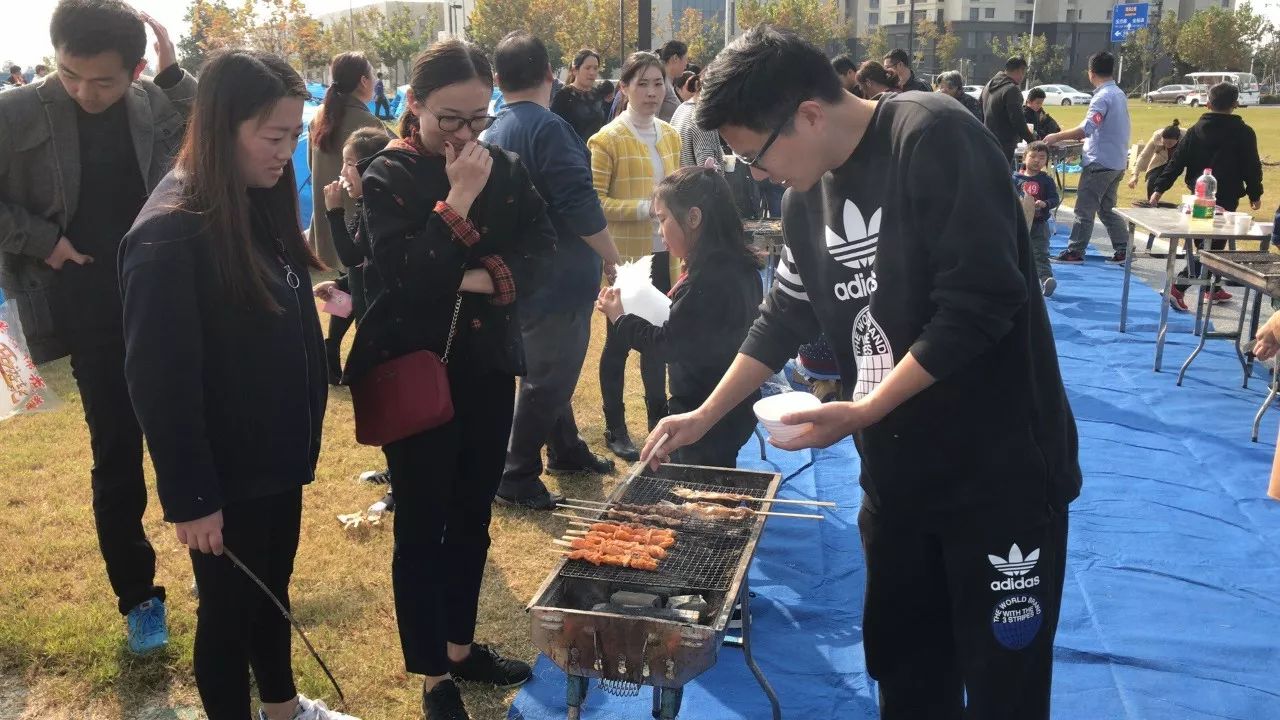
(453, 328)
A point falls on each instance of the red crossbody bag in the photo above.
(405, 396)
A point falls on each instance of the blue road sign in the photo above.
(1128, 18)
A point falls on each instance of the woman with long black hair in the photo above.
(225, 363)
(345, 110)
(457, 231)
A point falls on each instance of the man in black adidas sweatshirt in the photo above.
(904, 244)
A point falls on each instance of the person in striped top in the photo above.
(629, 156)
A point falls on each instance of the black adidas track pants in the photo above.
(961, 626)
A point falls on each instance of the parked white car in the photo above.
(1064, 95)
(973, 91)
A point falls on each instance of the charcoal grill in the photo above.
(627, 649)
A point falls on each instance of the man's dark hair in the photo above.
(898, 55)
(42, 68)
(521, 62)
(85, 28)
(844, 64)
(1223, 96)
(1035, 93)
(1014, 64)
(13, 69)
(759, 80)
(672, 48)
(1102, 64)
(379, 76)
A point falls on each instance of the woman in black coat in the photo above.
(457, 231)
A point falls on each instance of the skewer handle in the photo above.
(581, 520)
(583, 508)
(583, 501)
(565, 543)
(805, 516)
(815, 503)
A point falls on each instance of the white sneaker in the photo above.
(1048, 285)
(309, 709)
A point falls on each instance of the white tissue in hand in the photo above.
(639, 296)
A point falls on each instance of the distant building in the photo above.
(449, 14)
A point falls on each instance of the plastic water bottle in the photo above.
(1206, 196)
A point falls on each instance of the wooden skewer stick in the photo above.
(582, 501)
(790, 515)
(583, 508)
(713, 519)
(580, 520)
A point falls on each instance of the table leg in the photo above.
(1124, 290)
(1164, 305)
(1245, 362)
(1208, 310)
(1266, 404)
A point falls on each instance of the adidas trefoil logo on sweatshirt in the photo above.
(857, 252)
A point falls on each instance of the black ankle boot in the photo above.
(619, 442)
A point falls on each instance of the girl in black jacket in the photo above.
(225, 364)
(456, 230)
(714, 303)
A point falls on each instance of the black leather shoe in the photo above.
(591, 464)
(444, 702)
(485, 665)
(546, 501)
(619, 443)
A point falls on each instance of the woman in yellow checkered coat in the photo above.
(629, 156)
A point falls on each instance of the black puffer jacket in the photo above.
(421, 259)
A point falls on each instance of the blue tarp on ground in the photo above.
(1171, 609)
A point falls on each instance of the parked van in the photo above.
(1250, 91)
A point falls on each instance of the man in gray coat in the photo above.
(79, 152)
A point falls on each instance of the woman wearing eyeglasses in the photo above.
(629, 157)
(457, 231)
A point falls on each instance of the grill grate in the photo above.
(705, 555)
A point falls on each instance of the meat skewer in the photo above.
(646, 536)
(665, 512)
(613, 546)
(712, 496)
(595, 557)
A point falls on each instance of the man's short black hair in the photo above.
(1223, 96)
(759, 80)
(521, 62)
(42, 68)
(85, 28)
(898, 55)
(379, 76)
(15, 69)
(672, 48)
(1102, 64)
(844, 64)
(1014, 64)
(1035, 93)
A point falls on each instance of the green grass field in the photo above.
(61, 649)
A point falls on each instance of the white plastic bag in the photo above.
(639, 296)
(21, 387)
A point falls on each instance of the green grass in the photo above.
(61, 652)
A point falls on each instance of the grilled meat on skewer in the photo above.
(660, 538)
(595, 557)
(685, 493)
(609, 545)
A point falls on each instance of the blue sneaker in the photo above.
(147, 629)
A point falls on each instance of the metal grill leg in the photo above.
(745, 599)
(764, 455)
(666, 702)
(575, 695)
(1266, 404)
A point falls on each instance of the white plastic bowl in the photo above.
(771, 409)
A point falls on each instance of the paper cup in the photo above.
(1242, 222)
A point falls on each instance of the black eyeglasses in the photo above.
(454, 123)
(755, 161)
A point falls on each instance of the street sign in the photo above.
(1128, 18)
